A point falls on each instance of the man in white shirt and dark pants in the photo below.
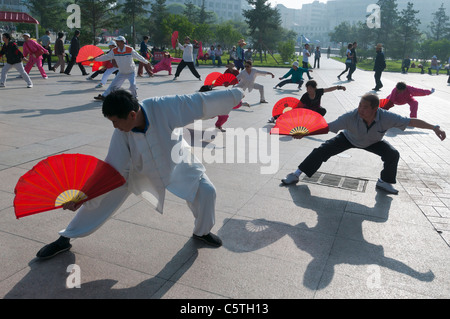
(305, 61)
(123, 55)
(188, 59)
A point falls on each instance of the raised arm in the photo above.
(332, 88)
(425, 125)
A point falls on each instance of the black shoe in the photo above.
(210, 239)
(53, 249)
(99, 97)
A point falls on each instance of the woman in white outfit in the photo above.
(247, 80)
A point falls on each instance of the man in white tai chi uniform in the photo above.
(148, 149)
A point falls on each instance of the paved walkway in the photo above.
(305, 241)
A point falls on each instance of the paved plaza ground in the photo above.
(313, 240)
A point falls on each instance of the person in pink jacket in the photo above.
(165, 63)
(34, 52)
(403, 94)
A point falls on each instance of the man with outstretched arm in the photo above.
(363, 128)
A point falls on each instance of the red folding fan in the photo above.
(174, 39)
(226, 79)
(63, 178)
(211, 78)
(300, 121)
(383, 102)
(284, 105)
(88, 52)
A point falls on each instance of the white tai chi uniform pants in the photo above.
(118, 81)
(87, 220)
(19, 68)
(106, 74)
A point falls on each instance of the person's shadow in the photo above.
(260, 233)
(48, 279)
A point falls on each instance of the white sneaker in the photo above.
(89, 78)
(2, 85)
(45, 77)
(29, 86)
(386, 187)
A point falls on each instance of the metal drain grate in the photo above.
(345, 182)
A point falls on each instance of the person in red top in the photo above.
(231, 69)
(403, 94)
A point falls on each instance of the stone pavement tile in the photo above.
(135, 247)
(264, 209)
(372, 287)
(98, 280)
(9, 178)
(418, 269)
(248, 275)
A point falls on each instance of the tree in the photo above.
(50, 13)
(133, 9)
(408, 30)
(389, 22)
(191, 11)
(440, 26)
(158, 13)
(263, 21)
(227, 35)
(205, 16)
(96, 15)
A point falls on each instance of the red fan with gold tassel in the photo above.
(63, 178)
(284, 105)
(211, 78)
(300, 121)
(226, 79)
(88, 52)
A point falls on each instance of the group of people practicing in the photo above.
(146, 133)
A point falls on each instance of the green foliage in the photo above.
(286, 50)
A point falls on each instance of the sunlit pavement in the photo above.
(311, 240)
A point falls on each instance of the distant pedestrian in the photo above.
(317, 55)
(74, 49)
(14, 59)
(60, 52)
(240, 55)
(45, 41)
(348, 61)
(379, 66)
(305, 60)
(146, 54)
(354, 62)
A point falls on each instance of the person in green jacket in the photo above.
(296, 74)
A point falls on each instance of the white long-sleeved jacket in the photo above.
(156, 160)
(124, 59)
